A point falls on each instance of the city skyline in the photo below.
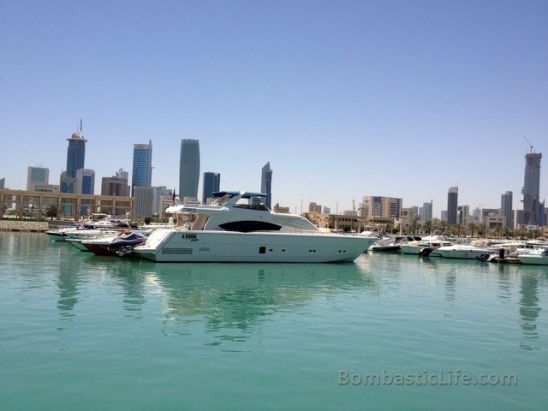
(76, 156)
(386, 99)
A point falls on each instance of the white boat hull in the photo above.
(462, 254)
(228, 246)
(411, 249)
(533, 259)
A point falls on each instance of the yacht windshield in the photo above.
(252, 203)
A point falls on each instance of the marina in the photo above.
(133, 334)
(391, 252)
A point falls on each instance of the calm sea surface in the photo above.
(81, 332)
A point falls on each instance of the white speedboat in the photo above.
(538, 256)
(425, 246)
(463, 251)
(240, 228)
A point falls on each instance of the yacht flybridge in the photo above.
(241, 228)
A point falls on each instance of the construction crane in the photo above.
(529, 144)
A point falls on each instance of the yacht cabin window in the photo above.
(252, 203)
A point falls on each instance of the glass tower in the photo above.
(76, 154)
(211, 183)
(266, 183)
(531, 185)
(142, 166)
(85, 181)
(452, 202)
(189, 168)
(506, 209)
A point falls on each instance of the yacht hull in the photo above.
(533, 259)
(227, 246)
(411, 249)
(462, 254)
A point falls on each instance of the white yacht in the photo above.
(463, 251)
(425, 246)
(538, 256)
(240, 228)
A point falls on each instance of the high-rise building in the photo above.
(314, 207)
(443, 216)
(189, 168)
(143, 202)
(37, 176)
(76, 155)
(115, 185)
(142, 166)
(379, 206)
(85, 181)
(161, 196)
(426, 211)
(266, 183)
(531, 186)
(506, 210)
(2, 183)
(477, 215)
(452, 202)
(121, 173)
(463, 215)
(210, 184)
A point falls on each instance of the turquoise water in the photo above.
(81, 332)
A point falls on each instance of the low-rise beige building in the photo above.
(68, 205)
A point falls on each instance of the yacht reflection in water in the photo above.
(236, 297)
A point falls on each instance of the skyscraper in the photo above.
(211, 183)
(142, 166)
(76, 154)
(85, 181)
(452, 202)
(506, 211)
(189, 168)
(266, 183)
(144, 198)
(463, 215)
(426, 211)
(37, 176)
(531, 185)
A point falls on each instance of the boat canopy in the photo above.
(243, 194)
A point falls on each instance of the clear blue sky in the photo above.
(344, 98)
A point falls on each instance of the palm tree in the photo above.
(472, 228)
(482, 230)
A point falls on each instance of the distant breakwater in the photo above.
(18, 225)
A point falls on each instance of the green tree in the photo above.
(472, 228)
(428, 227)
(482, 230)
(52, 211)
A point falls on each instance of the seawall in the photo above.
(18, 225)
